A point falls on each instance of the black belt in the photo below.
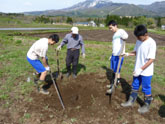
(73, 49)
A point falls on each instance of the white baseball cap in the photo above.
(74, 30)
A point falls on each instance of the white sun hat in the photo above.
(74, 30)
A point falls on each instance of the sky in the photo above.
(16, 6)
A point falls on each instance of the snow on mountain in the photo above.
(88, 4)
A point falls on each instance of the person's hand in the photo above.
(83, 55)
(137, 72)
(59, 48)
(47, 68)
(125, 54)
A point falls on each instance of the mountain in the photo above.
(157, 7)
(98, 8)
(89, 4)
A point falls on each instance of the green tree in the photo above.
(158, 21)
(162, 21)
(69, 20)
(151, 23)
(42, 19)
(140, 20)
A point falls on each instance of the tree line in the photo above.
(125, 21)
(129, 21)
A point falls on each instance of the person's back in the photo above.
(117, 41)
(38, 49)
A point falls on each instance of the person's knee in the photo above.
(146, 91)
(44, 73)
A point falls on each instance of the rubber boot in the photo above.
(131, 99)
(74, 75)
(145, 107)
(67, 74)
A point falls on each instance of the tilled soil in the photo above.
(84, 98)
(85, 101)
(106, 36)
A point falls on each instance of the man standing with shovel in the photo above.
(117, 48)
(145, 52)
(39, 50)
(74, 41)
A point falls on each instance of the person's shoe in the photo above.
(74, 76)
(67, 74)
(131, 100)
(128, 103)
(39, 84)
(44, 91)
(144, 109)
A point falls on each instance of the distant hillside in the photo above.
(101, 8)
(157, 7)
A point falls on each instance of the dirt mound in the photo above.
(86, 103)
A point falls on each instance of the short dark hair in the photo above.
(140, 30)
(54, 37)
(112, 22)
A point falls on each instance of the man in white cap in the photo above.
(74, 41)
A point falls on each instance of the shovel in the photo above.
(57, 90)
(117, 73)
(58, 74)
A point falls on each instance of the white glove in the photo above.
(59, 48)
(83, 55)
(110, 57)
(137, 72)
(47, 68)
(125, 54)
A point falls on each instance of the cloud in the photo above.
(28, 4)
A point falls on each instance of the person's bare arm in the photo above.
(44, 62)
(150, 61)
(130, 54)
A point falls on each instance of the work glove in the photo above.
(83, 55)
(47, 68)
(125, 54)
(59, 48)
(110, 57)
(137, 72)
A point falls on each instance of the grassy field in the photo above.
(14, 68)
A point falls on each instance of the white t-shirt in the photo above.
(38, 49)
(144, 51)
(118, 41)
